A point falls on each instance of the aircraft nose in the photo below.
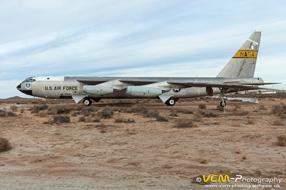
(28, 92)
(19, 86)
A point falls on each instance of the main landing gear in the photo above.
(171, 101)
(223, 103)
(87, 102)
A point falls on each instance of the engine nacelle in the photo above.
(98, 90)
(143, 91)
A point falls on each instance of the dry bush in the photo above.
(4, 145)
(10, 114)
(137, 109)
(124, 121)
(236, 106)
(278, 123)
(102, 128)
(64, 109)
(131, 132)
(197, 116)
(152, 113)
(218, 107)
(6, 114)
(106, 113)
(22, 110)
(202, 106)
(37, 109)
(204, 160)
(13, 108)
(281, 140)
(237, 150)
(279, 110)
(61, 119)
(2, 113)
(262, 107)
(240, 112)
(210, 114)
(185, 111)
(244, 156)
(161, 118)
(250, 121)
(184, 123)
(86, 111)
(42, 114)
(174, 113)
(81, 119)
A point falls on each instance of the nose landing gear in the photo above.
(87, 102)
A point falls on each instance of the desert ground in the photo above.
(141, 144)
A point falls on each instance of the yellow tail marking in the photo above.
(246, 54)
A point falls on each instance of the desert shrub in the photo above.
(250, 121)
(124, 121)
(279, 110)
(161, 118)
(237, 106)
(106, 113)
(151, 113)
(86, 111)
(102, 128)
(261, 107)
(197, 116)
(38, 108)
(174, 113)
(240, 112)
(96, 120)
(184, 123)
(237, 150)
(137, 109)
(186, 111)
(13, 108)
(81, 119)
(281, 140)
(210, 114)
(10, 114)
(244, 156)
(22, 110)
(4, 145)
(204, 160)
(64, 110)
(43, 114)
(278, 123)
(2, 113)
(61, 119)
(202, 106)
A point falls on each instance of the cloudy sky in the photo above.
(136, 38)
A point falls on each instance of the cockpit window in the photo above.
(30, 80)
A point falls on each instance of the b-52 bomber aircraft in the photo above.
(237, 75)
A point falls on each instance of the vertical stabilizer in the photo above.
(242, 64)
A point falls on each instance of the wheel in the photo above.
(87, 102)
(222, 103)
(170, 102)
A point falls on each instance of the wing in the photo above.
(245, 86)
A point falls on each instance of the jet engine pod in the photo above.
(143, 91)
(98, 90)
(209, 91)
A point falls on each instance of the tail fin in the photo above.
(242, 64)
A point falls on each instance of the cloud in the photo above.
(136, 38)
